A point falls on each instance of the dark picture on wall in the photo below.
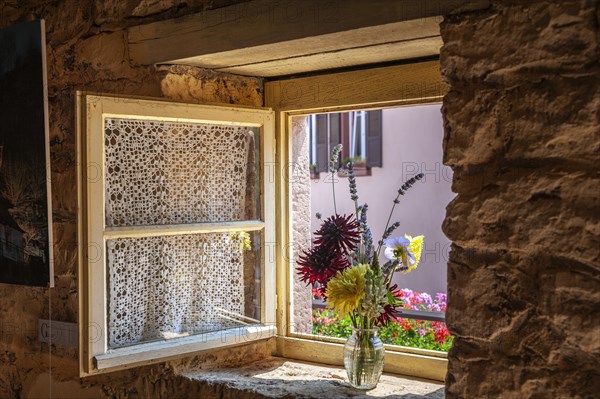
(25, 208)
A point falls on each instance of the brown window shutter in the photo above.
(374, 139)
(322, 143)
(334, 130)
(345, 133)
(335, 133)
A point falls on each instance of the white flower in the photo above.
(406, 249)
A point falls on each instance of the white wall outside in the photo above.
(412, 143)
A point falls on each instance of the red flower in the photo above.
(389, 311)
(317, 292)
(387, 315)
(405, 324)
(337, 237)
(441, 334)
(338, 233)
(319, 264)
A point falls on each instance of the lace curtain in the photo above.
(174, 173)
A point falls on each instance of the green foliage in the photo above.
(403, 332)
(355, 160)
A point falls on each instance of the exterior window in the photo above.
(420, 321)
(303, 145)
(176, 226)
(359, 132)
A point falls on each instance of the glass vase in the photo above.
(363, 358)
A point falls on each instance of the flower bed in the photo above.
(405, 332)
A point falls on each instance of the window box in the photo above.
(359, 170)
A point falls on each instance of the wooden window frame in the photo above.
(92, 110)
(375, 88)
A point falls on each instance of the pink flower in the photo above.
(426, 298)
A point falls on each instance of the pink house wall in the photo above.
(412, 143)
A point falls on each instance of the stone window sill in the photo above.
(284, 378)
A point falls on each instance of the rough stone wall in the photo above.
(86, 50)
(521, 123)
(522, 135)
(301, 213)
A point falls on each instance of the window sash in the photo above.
(146, 352)
(181, 229)
(93, 233)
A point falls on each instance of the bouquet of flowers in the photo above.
(343, 263)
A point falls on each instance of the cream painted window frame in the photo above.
(375, 88)
(92, 110)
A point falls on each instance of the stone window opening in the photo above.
(123, 348)
(520, 106)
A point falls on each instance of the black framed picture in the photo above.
(25, 200)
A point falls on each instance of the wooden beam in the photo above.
(338, 59)
(376, 87)
(355, 39)
(283, 26)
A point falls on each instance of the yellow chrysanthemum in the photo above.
(415, 247)
(346, 289)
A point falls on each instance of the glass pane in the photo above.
(173, 286)
(410, 142)
(171, 173)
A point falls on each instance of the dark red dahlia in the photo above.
(389, 314)
(389, 311)
(338, 233)
(320, 264)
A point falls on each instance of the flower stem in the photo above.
(332, 169)
(333, 191)
(387, 224)
(401, 191)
